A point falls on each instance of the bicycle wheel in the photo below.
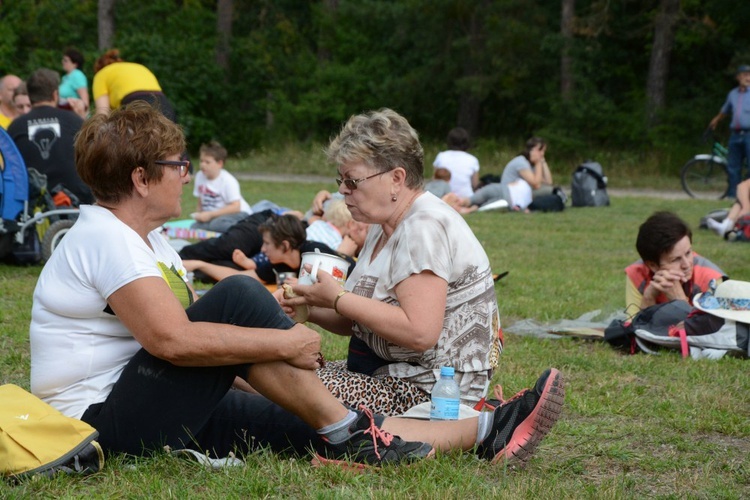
(704, 178)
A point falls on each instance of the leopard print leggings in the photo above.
(385, 395)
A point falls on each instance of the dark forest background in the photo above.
(586, 74)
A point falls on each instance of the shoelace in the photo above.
(498, 393)
(375, 431)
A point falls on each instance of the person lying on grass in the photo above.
(118, 340)
(668, 268)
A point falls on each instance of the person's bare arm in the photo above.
(347, 246)
(533, 176)
(475, 180)
(715, 120)
(546, 173)
(667, 282)
(78, 107)
(216, 271)
(151, 312)
(229, 208)
(415, 324)
(102, 104)
(83, 93)
(320, 198)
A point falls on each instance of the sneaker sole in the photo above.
(532, 430)
(321, 461)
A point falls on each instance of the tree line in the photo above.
(582, 73)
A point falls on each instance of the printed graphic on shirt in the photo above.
(471, 306)
(44, 132)
(210, 200)
(176, 284)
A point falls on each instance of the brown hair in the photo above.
(75, 57)
(442, 174)
(109, 147)
(109, 57)
(659, 234)
(283, 228)
(214, 150)
(42, 84)
(458, 139)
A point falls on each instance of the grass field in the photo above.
(633, 426)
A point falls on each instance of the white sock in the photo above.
(484, 425)
(722, 227)
(338, 432)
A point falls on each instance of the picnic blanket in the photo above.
(587, 326)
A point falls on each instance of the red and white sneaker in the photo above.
(519, 424)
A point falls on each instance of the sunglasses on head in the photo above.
(351, 184)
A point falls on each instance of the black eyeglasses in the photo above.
(351, 184)
(182, 165)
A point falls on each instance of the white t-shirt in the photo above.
(324, 232)
(218, 193)
(462, 166)
(433, 236)
(78, 349)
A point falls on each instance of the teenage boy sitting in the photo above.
(220, 202)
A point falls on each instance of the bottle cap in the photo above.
(447, 371)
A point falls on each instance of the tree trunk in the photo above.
(106, 23)
(566, 60)
(469, 102)
(324, 54)
(224, 14)
(658, 70)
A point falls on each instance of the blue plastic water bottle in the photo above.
(446, 396)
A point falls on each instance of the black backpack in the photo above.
(589, 186)
(554, 202)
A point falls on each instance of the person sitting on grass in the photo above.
(668, 268)
(462, 166)
(220, 202)
(739, 208)
(118, 340)
(523, 177)
(439, 185)
(422, 294)
(337, 229)
(283, 241)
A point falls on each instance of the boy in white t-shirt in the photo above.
(220, 202)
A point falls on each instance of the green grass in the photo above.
(633, 426)
(625, 169)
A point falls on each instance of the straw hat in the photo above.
(728, 300)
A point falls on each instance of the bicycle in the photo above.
(705, 175)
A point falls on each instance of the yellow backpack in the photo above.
(37, 439)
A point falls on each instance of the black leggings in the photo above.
(155, 403)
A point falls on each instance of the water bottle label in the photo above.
(444, 409)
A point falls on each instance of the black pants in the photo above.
(155, 403)
(155, 99)
(243, 235)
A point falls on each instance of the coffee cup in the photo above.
(332, 264)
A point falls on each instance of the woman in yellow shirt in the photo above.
(117, 82)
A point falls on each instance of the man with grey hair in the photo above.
(8, 110)
(46, 134)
